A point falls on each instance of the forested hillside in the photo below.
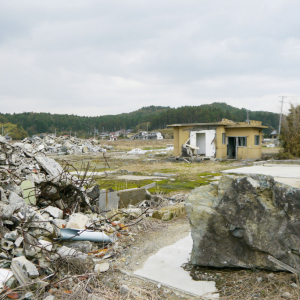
(157, 117)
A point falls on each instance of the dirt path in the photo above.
(158, 234)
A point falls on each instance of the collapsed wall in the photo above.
(242, 221)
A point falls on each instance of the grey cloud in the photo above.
(107, 57)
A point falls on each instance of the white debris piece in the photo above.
(5, 274)
(54, 212)
(137, 151)
(49, 165)
(77, 221)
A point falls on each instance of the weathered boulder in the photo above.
(241, 221)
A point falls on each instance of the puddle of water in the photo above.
(165, 267)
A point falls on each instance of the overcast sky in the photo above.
(96, 57)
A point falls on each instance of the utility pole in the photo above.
(147, 131)
(55, 132)
(280, 118)
(248, 121)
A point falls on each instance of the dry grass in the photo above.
(236, 284)
(269, 150)
(188, 171)
(127, 145)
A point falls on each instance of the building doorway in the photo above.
(231, 147)
(201, 143)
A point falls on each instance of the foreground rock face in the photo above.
(241, 221)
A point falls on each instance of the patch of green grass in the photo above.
(167, 171)
(164, 186)
(168, 186)
(209, 174)
(153, 148)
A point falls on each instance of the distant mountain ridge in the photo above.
(157, 117)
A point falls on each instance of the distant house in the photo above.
(274, 134)
(113, 136)
(8, 138)
(155, 135)
(141, 135)
(103, 135)
(224, 139)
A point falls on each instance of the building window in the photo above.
(242, 141)
(224, 138)
(256, 140)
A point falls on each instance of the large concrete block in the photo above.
(108, 200)
(131, 197)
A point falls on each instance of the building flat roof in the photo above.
(226, 124)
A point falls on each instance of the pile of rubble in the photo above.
(48, 216)
(63, 145)
(50, 219)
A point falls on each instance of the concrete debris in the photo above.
(5, 275)
(23, 269)
(101, 267)
(63, 145)
(70, 253)
(138, 151)
(77, 221)
(51, 219)
(169, 212)
(244, 220)
(124, 289)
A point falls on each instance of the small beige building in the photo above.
(224, 139)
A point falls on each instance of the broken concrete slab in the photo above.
(54, 212)
(77, 221)
(49, 165)
(131, 197)
(11, 236)
(108, 200)
(16, 200)
(23, 269)
(19, 241)
(40, 226)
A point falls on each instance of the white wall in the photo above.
(210, 148)
(159, 136)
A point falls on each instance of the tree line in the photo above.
(157, 117)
